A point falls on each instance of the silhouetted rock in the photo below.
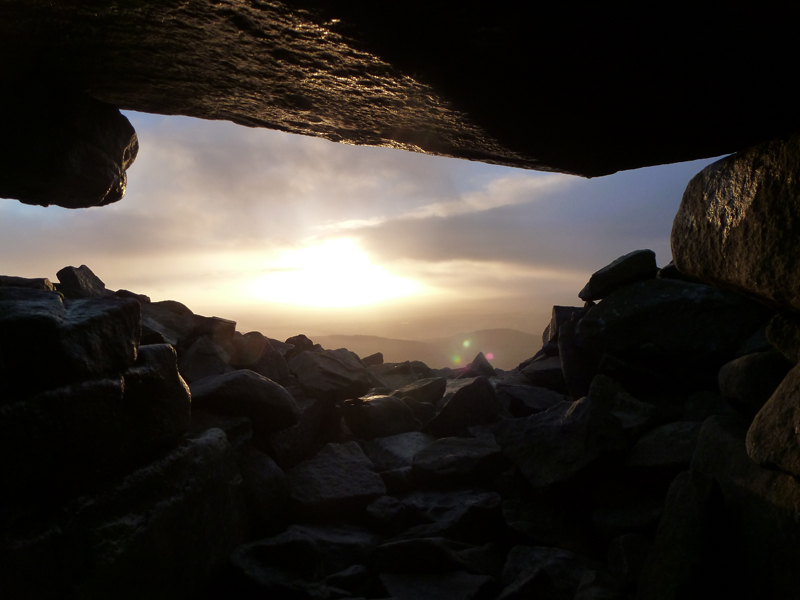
(672, 444)
(378, 416)
(176, 520)
(340, 479)
(450, 585)
(756, 542)
(37, 283)
(670, 328)
(331, 374)
(473, 404)
(457, 461)
(560, 315)
(558, 444)
(547, 373)
(373, 359)
(80, 282)
(783, 332)
(428, 390)
(752, 379)
(245, 393)
(733, 227)
(526, 400)
(772, 439)
(297, 562)
(532, 572)
(168, 319)
(687, 541)
(256, 353)
(204, 358)
(635, 416)
(470, 516)
(396, 451)
(45, 342)
(633, 267)
(62, 146)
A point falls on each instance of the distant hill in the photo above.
(508, 347)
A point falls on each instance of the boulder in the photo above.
(688, 554)
(204, 358)
(532, 572)
(560, 315)
(80, 282)
(428, 390)
(673, 329)
(396, 451)
(557, 445)
(546, 372)
(66, 438)
(469, 516)
(455, 461)
(735, 226)
(634, 266)
(340, 479)
(473, 404)
(450, 585)
(176, 520)
(526, 400)
(773, 440)
(37, 283)
(245, 393)
(435, 555)
(330, 374)
(783, 332)
(62, 146)
(669, 445)
(45, 342)
(757, 543)
(256, 353)
(379, 416)
(266, 491)
(298, 562)
(750, 380)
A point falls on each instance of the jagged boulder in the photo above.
(635, 266)
(331, 374)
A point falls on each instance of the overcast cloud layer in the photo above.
(212, 207)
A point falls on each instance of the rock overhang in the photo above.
(547, 88)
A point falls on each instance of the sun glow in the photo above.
(333, 274)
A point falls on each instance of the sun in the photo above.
(332, 274)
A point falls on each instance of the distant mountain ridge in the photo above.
(507, 347)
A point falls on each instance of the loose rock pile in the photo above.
(608, 465)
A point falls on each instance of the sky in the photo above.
(289, 234)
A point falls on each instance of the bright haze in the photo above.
(288, 234)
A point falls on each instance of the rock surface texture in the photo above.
(738, 223)
(345, 71)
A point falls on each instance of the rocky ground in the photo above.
(149, 452)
